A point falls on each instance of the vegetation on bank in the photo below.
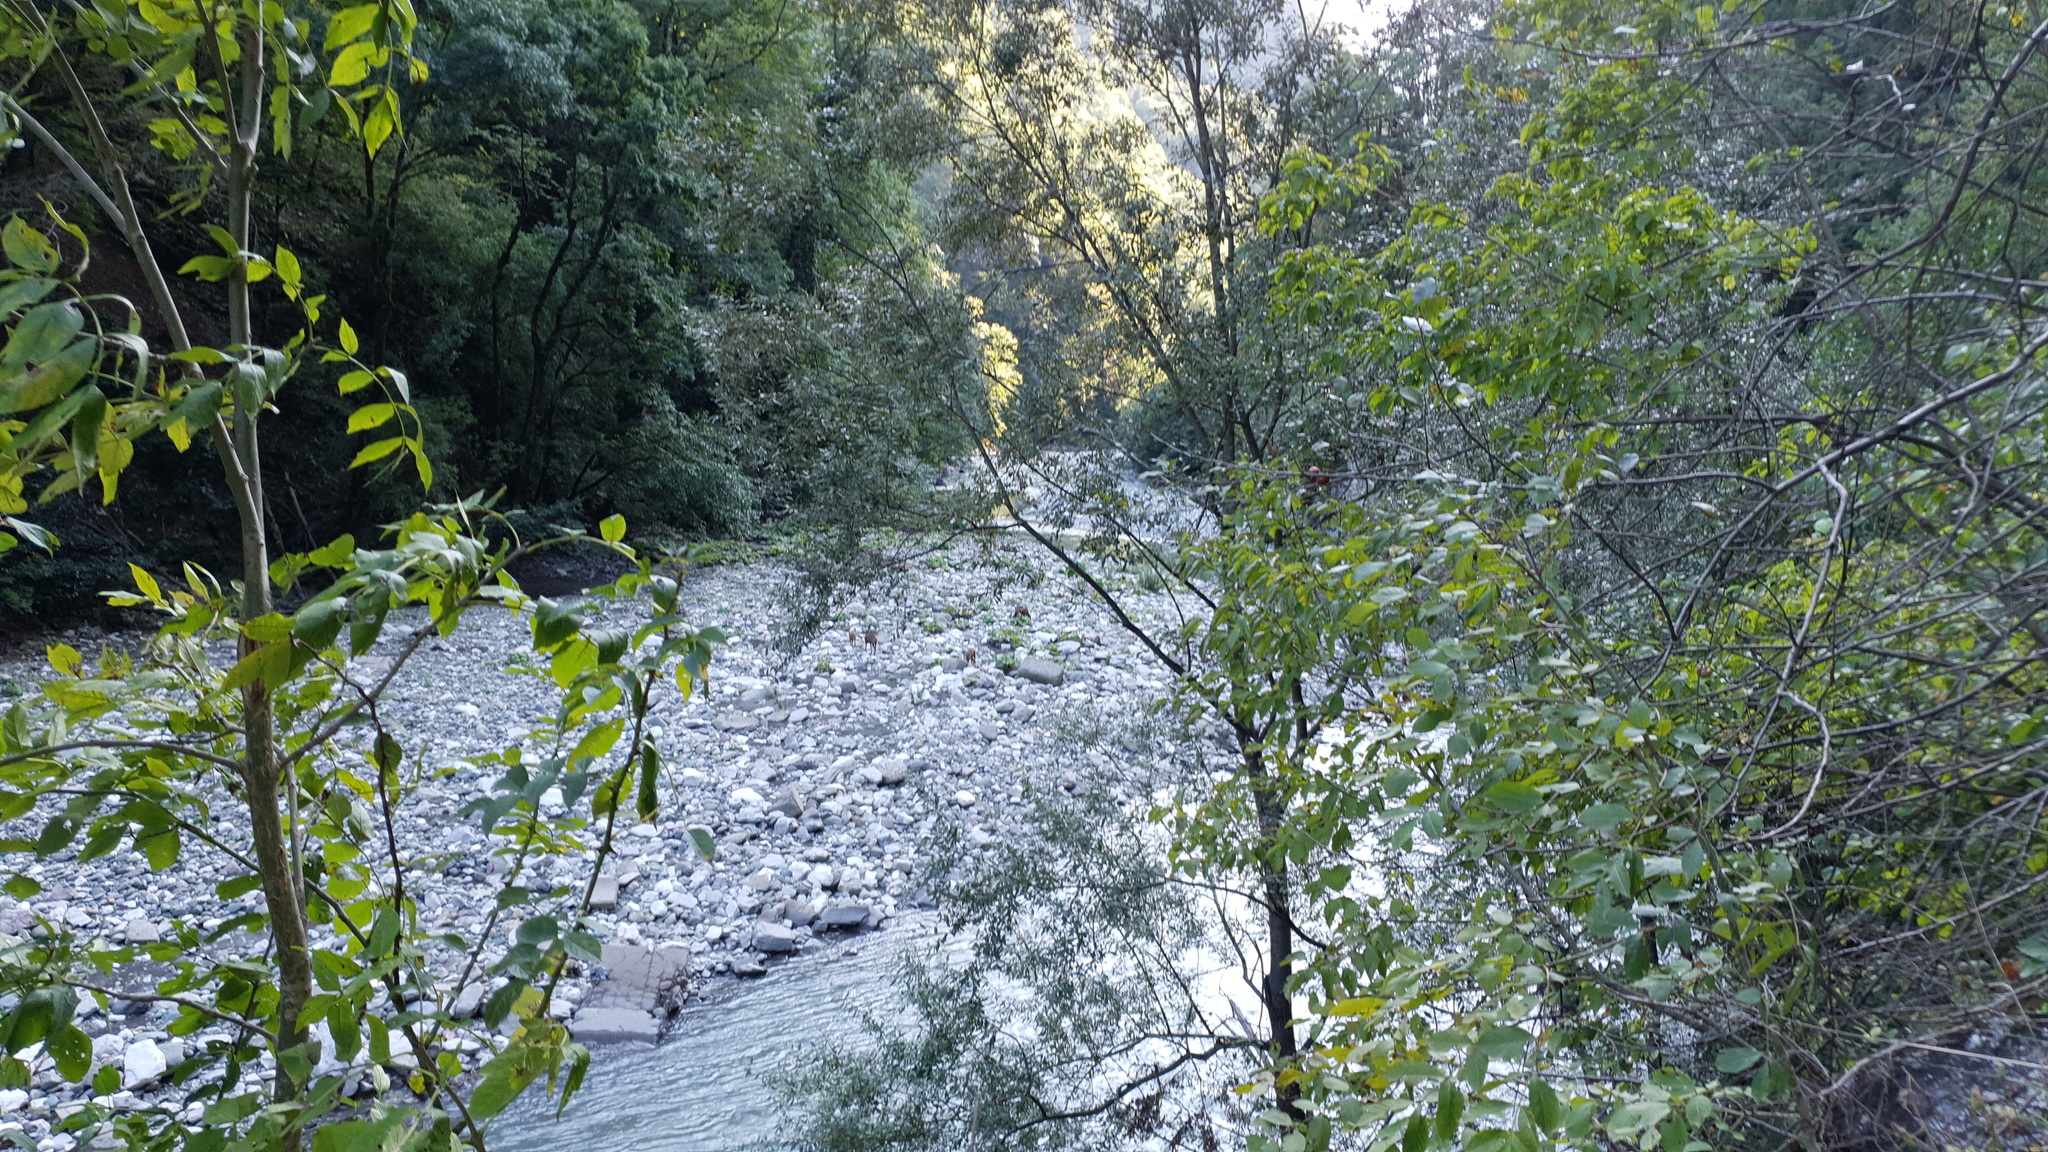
(1604, 436)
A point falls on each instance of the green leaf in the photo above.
(499, 1004)
(700, 839)
(161, 849)
(211, 268)
(48, 381)
(583, 946)
(612, 528)
(1504, 1041)
(1604, 817)
(377, 451)
(71, 1050)
(42, 332)
(598, 740)
(1733, 1060)
(387, 753)
(371, 416)
(342, 1025)
(56, 836)
(319, 622)
(1545, 1110)
(347, 336)
(27, 248)
(237, 886)
(1415, 1136)
(554, 624)
(649, 798)
(538, 930)
(380, 122)
(335, 554)
(351, 24)
(383, 933)
(23, 887)
(1450, 1110)
(1514, 796)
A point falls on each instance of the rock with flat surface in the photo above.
(788, 804)
(614, 1026)
(774, 938)
(604, 896)
(845, 916)
(141, 930)
(645, 979)
(1039, 671)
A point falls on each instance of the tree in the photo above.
(140, 750)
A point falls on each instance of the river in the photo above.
(705, 1089)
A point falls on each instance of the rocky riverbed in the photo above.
(943, 698)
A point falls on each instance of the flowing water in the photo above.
(705, 1088)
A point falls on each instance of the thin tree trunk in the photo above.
(1279, 920)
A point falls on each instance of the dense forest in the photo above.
(1593, 450)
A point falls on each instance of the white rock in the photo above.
(142, 1064)
(747, 798)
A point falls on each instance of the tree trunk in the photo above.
(1279, 921)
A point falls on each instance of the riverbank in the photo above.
(935, 702)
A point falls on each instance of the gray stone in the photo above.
(642, 978)
(614, 1026)
(761, 881)
(891, 771)
(845, 916)
(605, 895)
(798, 913)
(989, 729)
(774, 938)
(468, 1001)
(1039, 671)
(748, 970)
(141, 931)
(788, 804)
